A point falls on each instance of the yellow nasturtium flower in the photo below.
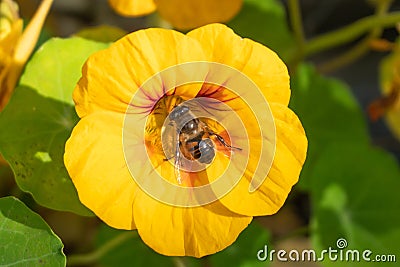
(16, 46)
(116, 151)
(182, 14)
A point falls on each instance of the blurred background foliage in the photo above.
(343, 59)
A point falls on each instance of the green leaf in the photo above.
(25, 238)
(6, 179)
(35, 130)
(243, 252)
(355, 196)
(38, 120)
(265, 22)
(329, 114)
(56, 67)
(135, 252)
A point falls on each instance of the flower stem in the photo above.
(362, 47)
(350, 32)
(296, 23)
(93, 257)
(347, 57)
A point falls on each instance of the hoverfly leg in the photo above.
(168, 159)
(222, 141)
(177, 162)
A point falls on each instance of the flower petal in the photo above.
(112, 77)
(95, 161)
(259, 63)
(176, 231)
(290, 154)
(132, 8)
(189, 14)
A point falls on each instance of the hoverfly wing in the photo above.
(169, 140)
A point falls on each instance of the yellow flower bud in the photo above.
(15, 46)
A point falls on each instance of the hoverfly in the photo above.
(192, 139)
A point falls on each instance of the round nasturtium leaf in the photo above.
(354, 196)
(329, 113)
(56, 67)
(25, 238)
(39, 118)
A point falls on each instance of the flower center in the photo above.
(178, 132)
